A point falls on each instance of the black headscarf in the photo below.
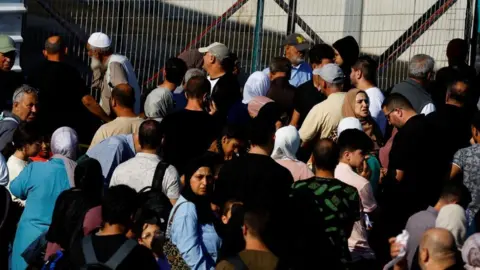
(89, 179)
(348, 48)
(202, 203)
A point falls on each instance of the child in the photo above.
(228, 208)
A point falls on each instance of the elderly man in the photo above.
(9, 80)
(110, 70)
(296, 48)
(420, 73)
(323, 118)
(24, 110)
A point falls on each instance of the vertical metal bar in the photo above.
(291, 16)
(257, 36)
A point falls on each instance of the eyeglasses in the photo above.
(388, 114)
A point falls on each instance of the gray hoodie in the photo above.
(8, 124)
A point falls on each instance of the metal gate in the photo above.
(151, 31)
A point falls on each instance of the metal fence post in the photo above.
(291, 16)
(258, 34)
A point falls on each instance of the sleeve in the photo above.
(311, 125)
(21, 185)
(171, 186)
(427, 109)
(369, 204)
(4, 178)
(459, 159)
(185, 236)
(7, 136)
(117, 74)
(400, 152)
(114, 180)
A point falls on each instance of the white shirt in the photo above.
(376, 98)
(15, 167)
(427, 109)
(213, 82)
(138, 172)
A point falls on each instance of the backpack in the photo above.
(156, 186)
(91, 261)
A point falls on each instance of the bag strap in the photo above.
(159, 174)
(10, 119)
(8, 201)
(120, 255)
(88, 251)
(170, 222)
(237, 263)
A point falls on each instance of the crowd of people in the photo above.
(305, 165)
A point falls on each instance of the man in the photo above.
(110, 70)
(256, 254)
(363, 77)
(420, 73)
(258, 181)
(179, 95)
(296, 48)
(139, 171)
(60, 107)
(417, 224)
(122, 103)
(322, 121)
(337, 205)
(416, 168)
(465, 165)
(112, 152)
(189, 132)
(281, 91)
(438, 251)
(453, 119)
(457, 52)
(225, 90)
(24, 109)
(307, 95)
(9, 79)
(354, 145)
(118, 207)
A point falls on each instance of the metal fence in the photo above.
(150, 31)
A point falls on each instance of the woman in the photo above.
(191, 223)
(230, 142)
(39, 184)
(257, 85)
(287, 142)
(27, 144)
(346, 54)
(44, 154)
(471, 252)
(159, 103)
(452, 217)
(77, 211)
(356, 105)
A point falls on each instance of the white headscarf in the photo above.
(452, 217)
(349, 123)
(287, 142)
(64, 145)
(158, 104)
(257, 85)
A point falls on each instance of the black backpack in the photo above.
(91, 261)
(157, 182)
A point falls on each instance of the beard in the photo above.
(95, 64)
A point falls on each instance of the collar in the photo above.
(299, 65)
(344, 166)
(148, 155)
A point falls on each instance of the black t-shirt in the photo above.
(305, 98)
(188, 134)
(418, 151)
(259, 182)
(61, 90)
(105, 246)
(225, 93)
(9, 82)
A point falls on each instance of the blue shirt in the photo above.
(111, 152)
(299, 75)
(197, 243)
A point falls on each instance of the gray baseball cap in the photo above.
(298, 41)
(6, 44)
(330, 73)
(217, 49)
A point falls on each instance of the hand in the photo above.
(395, 251)
(213, 108)
(365, 170)
(383, 173)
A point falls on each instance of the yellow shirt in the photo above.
(121, 125)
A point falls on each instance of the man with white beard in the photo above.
(110, 70)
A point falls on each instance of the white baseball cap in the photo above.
(331, 73)
(99, 40)
(217, 49)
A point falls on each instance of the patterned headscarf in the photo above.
(471, 252)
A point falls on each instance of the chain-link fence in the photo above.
(150, 31)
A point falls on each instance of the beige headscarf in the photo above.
(369, 125)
